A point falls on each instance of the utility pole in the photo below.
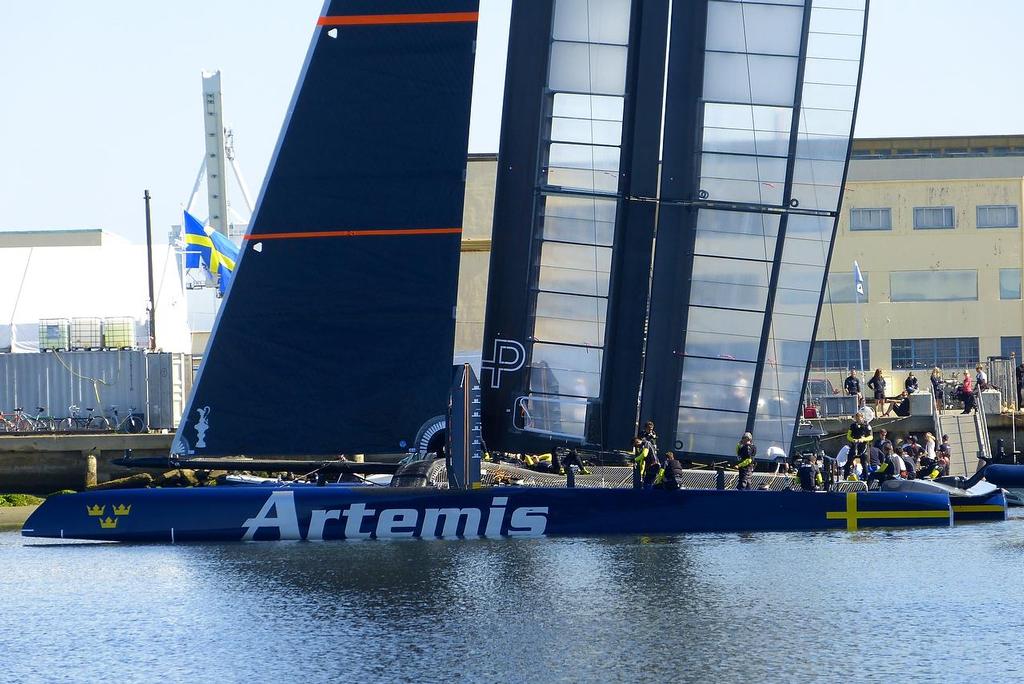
(149, 261)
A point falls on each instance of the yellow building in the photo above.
(934, 224)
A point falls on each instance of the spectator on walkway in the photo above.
(938, 392)
(877, 385)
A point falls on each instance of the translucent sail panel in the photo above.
(754, 28)
(593, 168)
(592, 21)
(574, 269)
(582, 220)
(570, 319)
(552, 415)
(716, 384)
(730, 283)
(745, 235)
(828, 98)
(587, 79)
(750, 71)
(740, 178)
(567, 370)
(746, 129)
(703, 431)
(723, 333)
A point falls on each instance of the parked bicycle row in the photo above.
(22, 421)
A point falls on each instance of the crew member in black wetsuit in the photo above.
(746, 450)
(671, 473)
(809, 475)
(650, 436)
(859, 438)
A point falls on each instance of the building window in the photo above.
(997, 216)
(870, 219)
(1008, 346)
(944, 352)
(1009, 283)
(927, 218)
(840, 355)
(841, 288)
(933, 286)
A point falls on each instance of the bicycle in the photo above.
(41, 423)
(78, 423)
(15, 422)
(131, 423)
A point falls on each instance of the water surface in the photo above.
(909, 605)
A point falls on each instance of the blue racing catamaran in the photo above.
(668, 190)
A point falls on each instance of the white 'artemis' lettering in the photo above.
(286, 521)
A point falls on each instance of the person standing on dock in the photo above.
(877, 385)
(937, 389)
(967, 393)
(859, 439)
(852, 385)
(746, 450)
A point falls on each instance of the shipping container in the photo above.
(86, 333)
(54, 333)
(154, 385)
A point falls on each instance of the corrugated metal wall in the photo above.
(156, 385)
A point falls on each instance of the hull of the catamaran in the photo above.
(983, 501)
(322, 513)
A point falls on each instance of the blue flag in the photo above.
(206, 248)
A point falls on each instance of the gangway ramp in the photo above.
(968, 442)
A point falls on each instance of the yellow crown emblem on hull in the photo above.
(122, 509)
(108, 523)
(95, 510)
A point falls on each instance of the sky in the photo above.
(102, 99)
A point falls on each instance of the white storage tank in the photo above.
(119, 333)
(54, 334)
(86, 333)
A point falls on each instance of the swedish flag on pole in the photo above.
(206, 248)
(858, 279)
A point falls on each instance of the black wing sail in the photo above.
(338, 330)
(573, 223)
(749, 208)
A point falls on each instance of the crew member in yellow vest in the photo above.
(746, 450)
(640, 452)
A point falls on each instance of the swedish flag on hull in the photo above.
(206, 248)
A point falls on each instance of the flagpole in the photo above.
(858, 288)
(149, 262)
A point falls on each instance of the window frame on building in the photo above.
(884, 214)
(934, 289)
(1009, 292)
(920, 224)
(909, 353)
(1009, 223)
(1008, 344)
(845, 354)
(844, 295)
